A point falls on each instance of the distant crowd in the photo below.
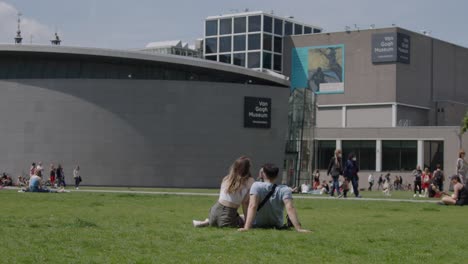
(37, 180)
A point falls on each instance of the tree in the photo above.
(465, 123)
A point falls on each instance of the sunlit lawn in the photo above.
(81, 227)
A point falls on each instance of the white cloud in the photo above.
(8, 25)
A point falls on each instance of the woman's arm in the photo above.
(456, 191)
(245, 202)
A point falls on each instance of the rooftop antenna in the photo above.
(356, 27)
(57, 39)
(246, 10)
(18, 38)
(426, 32)
(372, 26)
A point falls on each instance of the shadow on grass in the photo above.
(80, 223)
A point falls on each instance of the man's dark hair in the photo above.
(271, 171)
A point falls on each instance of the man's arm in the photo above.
(291, 210)
(251, 213)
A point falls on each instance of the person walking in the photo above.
(52, 175)
(426, 180)
(39, 169)
(77, 177)
(351, 173)
(417, 173)
(371, 182)
(462, 166)
(32, 170)
(380, 182)
(335, 169)
(60, 176)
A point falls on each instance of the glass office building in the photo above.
(250, 39)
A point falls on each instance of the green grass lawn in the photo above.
(81, 227)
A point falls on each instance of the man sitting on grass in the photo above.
(267, 203)
(35, 185)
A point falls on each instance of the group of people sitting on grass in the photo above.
(6, 180)
(263, 202)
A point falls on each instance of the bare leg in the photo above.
(448, 200)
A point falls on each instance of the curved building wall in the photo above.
(136, 132)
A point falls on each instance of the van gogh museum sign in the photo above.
(257, 112)
(391, 47)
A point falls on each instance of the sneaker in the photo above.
(197, 223)
(340, 196)
(414, 195)
(421, 196)
(77, 188)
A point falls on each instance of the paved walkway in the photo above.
(295, 196)
(299, 196)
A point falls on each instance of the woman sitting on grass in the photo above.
(234, 193)
(460, 195)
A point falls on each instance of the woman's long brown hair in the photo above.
(238, 175)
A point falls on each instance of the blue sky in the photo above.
(124, 24)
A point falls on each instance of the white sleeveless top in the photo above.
(235, 198)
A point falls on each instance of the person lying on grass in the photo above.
(267, 203)
(234, 193)
(460, 193)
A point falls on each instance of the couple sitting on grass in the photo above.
(262, 203)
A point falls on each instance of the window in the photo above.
(211, 45)
(278, 44)
(239, 59)
(254, 23)
(278, 27)
(288, 28)
(325, 151)
(225, 44)
(268, 24)
(254, 59)
(267, 45)
(433, 154)
(254, 41)
(211, 58)
(297, 29)
(277, 62)
(307, 30)
(211, 28)
(226, 58)
(364, 150)
(239, 43)
(399, 155)
(239, 24)
(316, 30)
(225, 26)
(266, 60)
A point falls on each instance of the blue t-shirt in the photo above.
(272, 213)
(34, 182)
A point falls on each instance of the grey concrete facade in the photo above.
(137, 132)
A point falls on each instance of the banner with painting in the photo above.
(320, 68)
